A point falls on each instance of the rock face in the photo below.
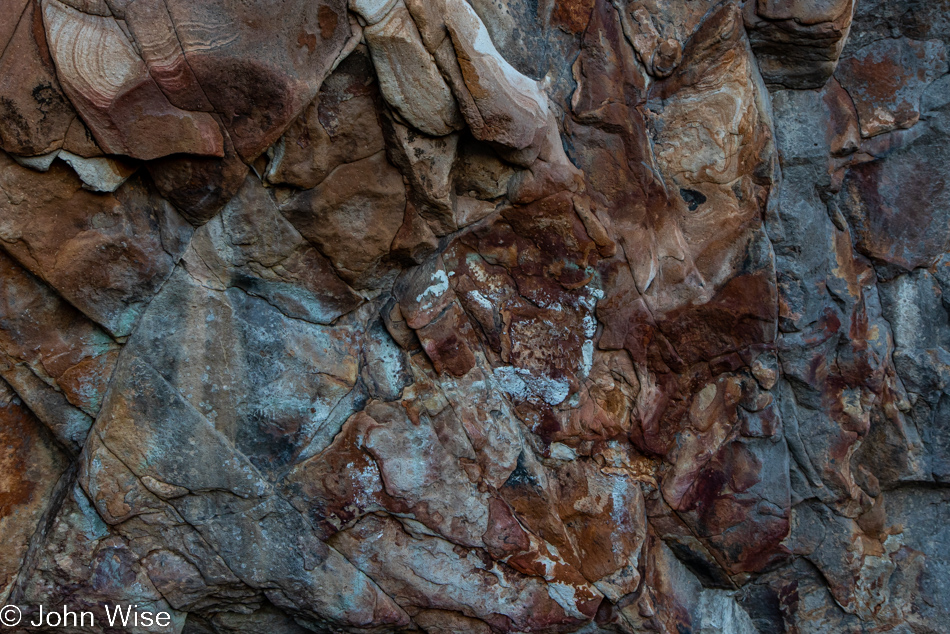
(466, 316)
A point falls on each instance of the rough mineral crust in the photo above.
(451, 316)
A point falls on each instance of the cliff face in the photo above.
(488, 316)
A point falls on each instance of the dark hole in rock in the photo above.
(693, 198)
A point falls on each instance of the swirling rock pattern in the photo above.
(463, 316)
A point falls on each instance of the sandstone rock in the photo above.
(264, 620)
(199, 186)
(414, 242)
(39, 163)
(679, 601)
(445, 316)
(423, 293)
(156, 39)
(365, 198)
(798, 43)
(34, 113)
(874, 194)
(426, 162)
(339, 126)
(33, 466)
(521, 601)
(885, 81)
(81, 564)
(609, 553)
(658, 35)
(408, 76)
(9, 26)
(119, 247)
(252, 247)
(260, 76)
(103, 74)
(875, 18)
(447, 340)
(314, 578)
(79, 140)
(100, 173)
(53, 355)
(703, 161)
(372, 11)
(479, 172)
(511, 108)
(307, 395)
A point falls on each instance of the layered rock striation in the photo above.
(464, 316)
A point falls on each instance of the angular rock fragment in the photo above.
(59, 360)
(107, 254)
(339, 126)
(110, 85)
(798, 43)
(885, 81)
(364, 201)
(33, 465)
(408, 76)
(414, 242)
(511, 110)
(199, 186)
(427, 162)
(98, 174)
(258, 73)
(35, 115)
(79, 140)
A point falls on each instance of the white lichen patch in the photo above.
(436, 290)
(521, 384)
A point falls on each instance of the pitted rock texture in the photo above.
(458, 316)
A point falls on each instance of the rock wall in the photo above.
(475, 316)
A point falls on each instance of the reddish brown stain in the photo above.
(309, 40)
(18, 431)
(573, 15)
(39, 35)
(328, 20)
(504, 535)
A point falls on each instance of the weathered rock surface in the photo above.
(445, 316)
(798, 42)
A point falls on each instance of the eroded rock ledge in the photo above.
(469, 316)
